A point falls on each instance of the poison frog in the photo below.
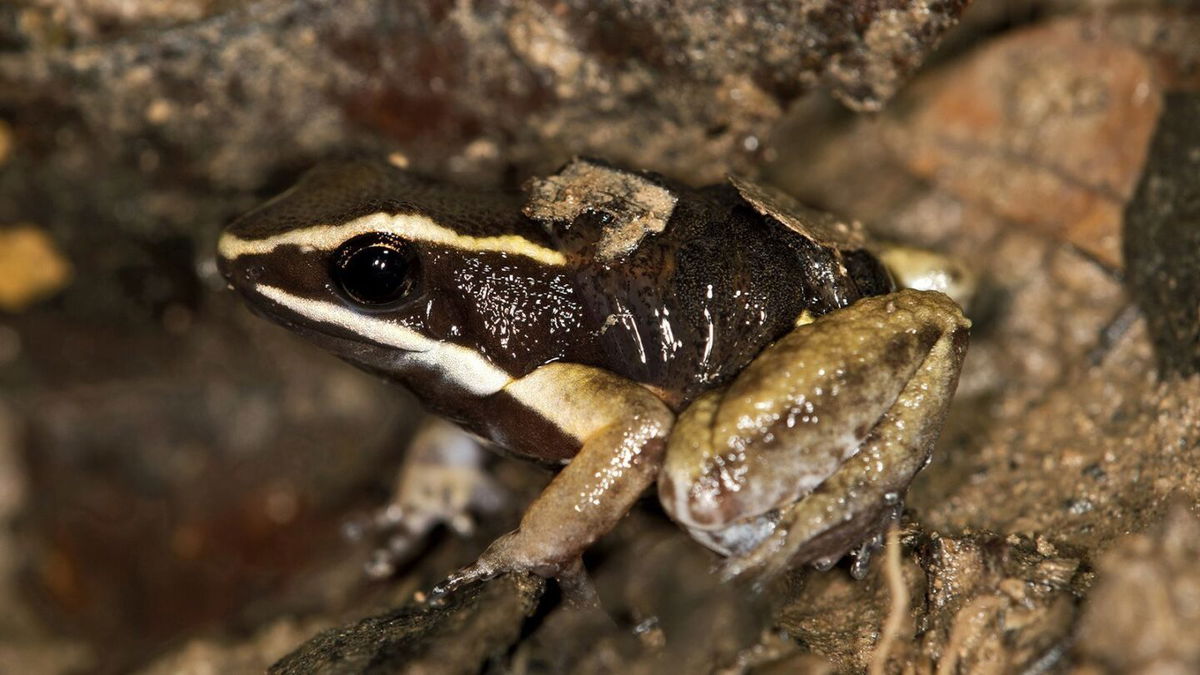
(752, 359)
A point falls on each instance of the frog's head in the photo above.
(390, 271)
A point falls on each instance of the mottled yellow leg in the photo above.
(800, 456)
(867, 491)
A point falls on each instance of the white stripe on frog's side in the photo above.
(412, 227)
(543, 391)
(551, 390)
(461, 365)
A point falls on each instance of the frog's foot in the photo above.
(508, 553)
(810, 450)
(862, 555)
(504, 556)
(487, 567)
(816, 534)
(442, 483)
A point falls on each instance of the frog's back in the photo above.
(698, 296)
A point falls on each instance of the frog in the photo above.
(750, 359)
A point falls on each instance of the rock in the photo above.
(251, 655)
(1047, 127)
(1162, 238)
(984, 602)
(235, 92)
(454, 635)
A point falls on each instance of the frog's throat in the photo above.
(408, 226)
(467, 368)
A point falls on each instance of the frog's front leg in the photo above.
(622, 430)
(803, 455)
(443, 482)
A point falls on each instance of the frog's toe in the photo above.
(862, 556)
(443, 483)
(512, 554)
(478, 571)
(400, 532)
(508, 553)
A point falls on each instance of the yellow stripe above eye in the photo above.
(407, 226)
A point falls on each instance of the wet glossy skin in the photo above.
(752, 349)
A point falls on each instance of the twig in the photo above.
(899, 606)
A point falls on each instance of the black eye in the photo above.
(375, 269)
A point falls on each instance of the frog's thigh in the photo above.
(858, 395)
(926, 270)
(622, 429)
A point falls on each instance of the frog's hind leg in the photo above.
(809, 451)
(866, 493)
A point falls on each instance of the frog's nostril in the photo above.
(225, 268)
(252, 273)
(238, 273)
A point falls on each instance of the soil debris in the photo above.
(1143, 612)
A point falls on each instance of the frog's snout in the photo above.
(242, 272)
(226, 258)
(227, 269)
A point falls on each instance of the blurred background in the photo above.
(175, 474)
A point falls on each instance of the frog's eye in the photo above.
(375, 270)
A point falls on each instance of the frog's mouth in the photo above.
(379, 343)
(320, 317)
